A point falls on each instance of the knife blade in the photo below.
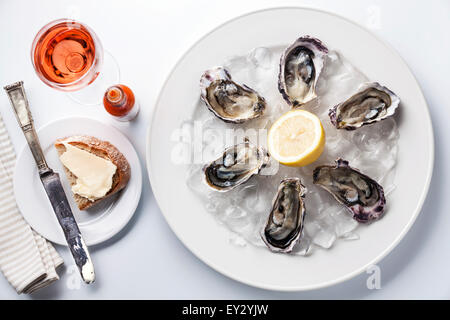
(52, 184)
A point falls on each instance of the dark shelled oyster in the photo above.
(300, 68)
(284, 225)
(228, 100)
(362, 195)
(236, 165)
(372, 103)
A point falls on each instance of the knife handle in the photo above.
(19, 102)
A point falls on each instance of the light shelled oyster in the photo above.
(228, 100)
(236, 166)
(284, 225)
(300, 68)
(372, 103)
(362, 195)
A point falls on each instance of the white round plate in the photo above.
(97, 224)
(205, 237)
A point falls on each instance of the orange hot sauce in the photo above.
(119, 101)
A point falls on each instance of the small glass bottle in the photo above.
(119, 101)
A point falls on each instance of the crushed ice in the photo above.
(372, 149)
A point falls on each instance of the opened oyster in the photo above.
(300, 67)
(372, 103)
(363, 196)
(284, 225)
(228, 100)
(237, 164)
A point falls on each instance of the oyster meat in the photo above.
(236, 165)
(300, 68)
(284, 225)
(372, 103)
(363, 196)
(228, 100)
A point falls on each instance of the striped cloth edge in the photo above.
(27, 260)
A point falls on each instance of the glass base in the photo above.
(92, 95)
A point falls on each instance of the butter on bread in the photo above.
(102, 149)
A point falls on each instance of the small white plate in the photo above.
(96, 224)
(201, 232)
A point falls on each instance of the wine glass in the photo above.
(67, 55)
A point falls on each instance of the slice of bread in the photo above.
(102, 149)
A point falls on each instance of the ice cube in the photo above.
(261, 58)
(244, 210)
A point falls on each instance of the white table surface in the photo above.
(146, 260)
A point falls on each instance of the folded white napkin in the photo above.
(27, 260)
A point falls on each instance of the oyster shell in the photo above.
(372, 103)
(363, 196)
(300, 68)
(236, 165)
(228, 100)
(284, 225)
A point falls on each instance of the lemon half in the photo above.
(297, 138)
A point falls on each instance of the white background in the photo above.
(146, 260)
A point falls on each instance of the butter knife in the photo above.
(52, 183)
